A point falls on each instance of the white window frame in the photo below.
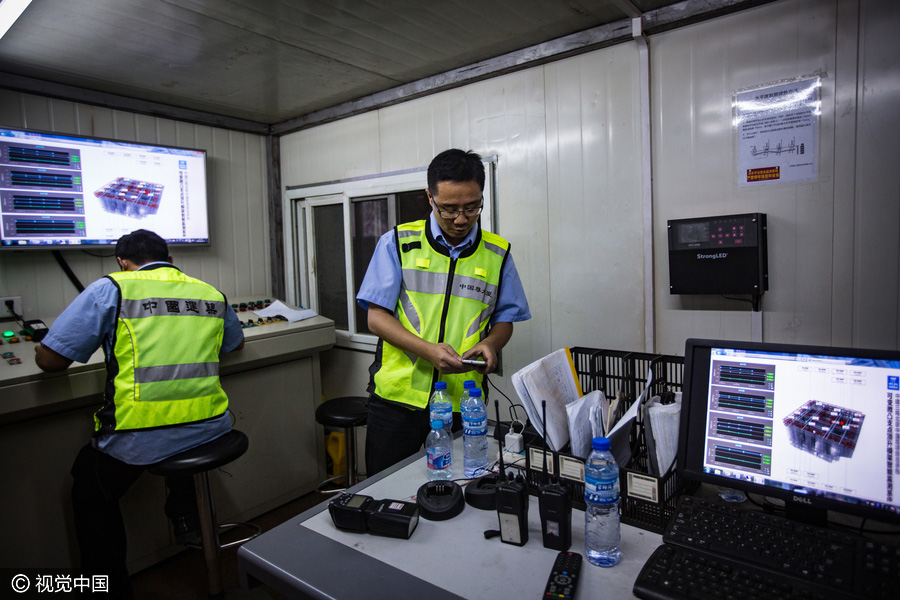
(300, 278)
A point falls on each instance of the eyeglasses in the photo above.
(453, 214)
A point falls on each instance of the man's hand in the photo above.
(48, 360)
(489, 348)
(445, 359)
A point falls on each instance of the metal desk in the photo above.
(308, 557)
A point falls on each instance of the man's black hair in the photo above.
(141, 247)
(457, 166)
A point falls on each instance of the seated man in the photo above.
(162, 332)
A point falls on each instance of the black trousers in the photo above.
(394, 432)
(99, 482)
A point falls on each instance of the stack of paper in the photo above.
(554, 379)
(576, 420)
(661, 422)
(587, 420)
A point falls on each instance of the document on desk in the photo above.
(620, 435)
(280, 308)
(552, 378)
(662, 422)
(587, 417)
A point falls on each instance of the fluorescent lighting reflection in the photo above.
(10, 10)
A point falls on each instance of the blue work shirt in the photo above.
(89, 323)
(381, 285)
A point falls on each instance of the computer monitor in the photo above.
(68, 191)
(817, 427)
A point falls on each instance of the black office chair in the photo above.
(199, 462)
(348, 412)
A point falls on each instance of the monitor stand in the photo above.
(803, 513)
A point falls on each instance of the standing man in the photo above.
(163, 333)
(436, 291)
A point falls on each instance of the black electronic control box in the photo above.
(718, 255)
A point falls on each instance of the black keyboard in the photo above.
(715, 551)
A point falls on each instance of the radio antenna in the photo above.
(502, 468)
(544, 417)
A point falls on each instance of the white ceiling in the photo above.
(290, 63)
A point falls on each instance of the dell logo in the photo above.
(801, 500)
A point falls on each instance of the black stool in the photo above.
(348, 412)
(199, 462)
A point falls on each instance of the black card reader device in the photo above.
(348, 511)
(391, 518)
(37, 328)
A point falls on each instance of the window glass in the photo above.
(330, 279)
(370, 220)
(412, 206)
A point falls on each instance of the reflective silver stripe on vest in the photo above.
(498, 250)
(407, 233)
(412, 315)
(482, 317)
(474, 289)
(424, 282)
(154, 307)
(173, 372)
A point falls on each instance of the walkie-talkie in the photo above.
(554, 505)
(512, 503)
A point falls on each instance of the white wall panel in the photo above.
(876, 284)
(594, 200)
(346, 148)
(696, 70)
(237, 261)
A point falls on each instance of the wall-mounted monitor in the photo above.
(815, 426)
(65, 191)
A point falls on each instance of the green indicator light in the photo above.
(8, 334)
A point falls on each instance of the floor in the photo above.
(183, 576)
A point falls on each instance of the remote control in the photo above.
(564, 576)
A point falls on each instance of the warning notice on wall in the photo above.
(777, 129)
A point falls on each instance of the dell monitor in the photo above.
(817, 427)
(68, 191)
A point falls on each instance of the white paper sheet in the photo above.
(280, 308)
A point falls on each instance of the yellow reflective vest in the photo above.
(156, 375)
(441, 300)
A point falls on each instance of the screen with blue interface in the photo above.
(819, 424)
(62, 191)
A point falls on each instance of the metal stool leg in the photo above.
(350, 443)
(209, 534)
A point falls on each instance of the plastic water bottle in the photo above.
(441, 406)
(475, 444)
(602, 537)
(438, 448)
(468, 384)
